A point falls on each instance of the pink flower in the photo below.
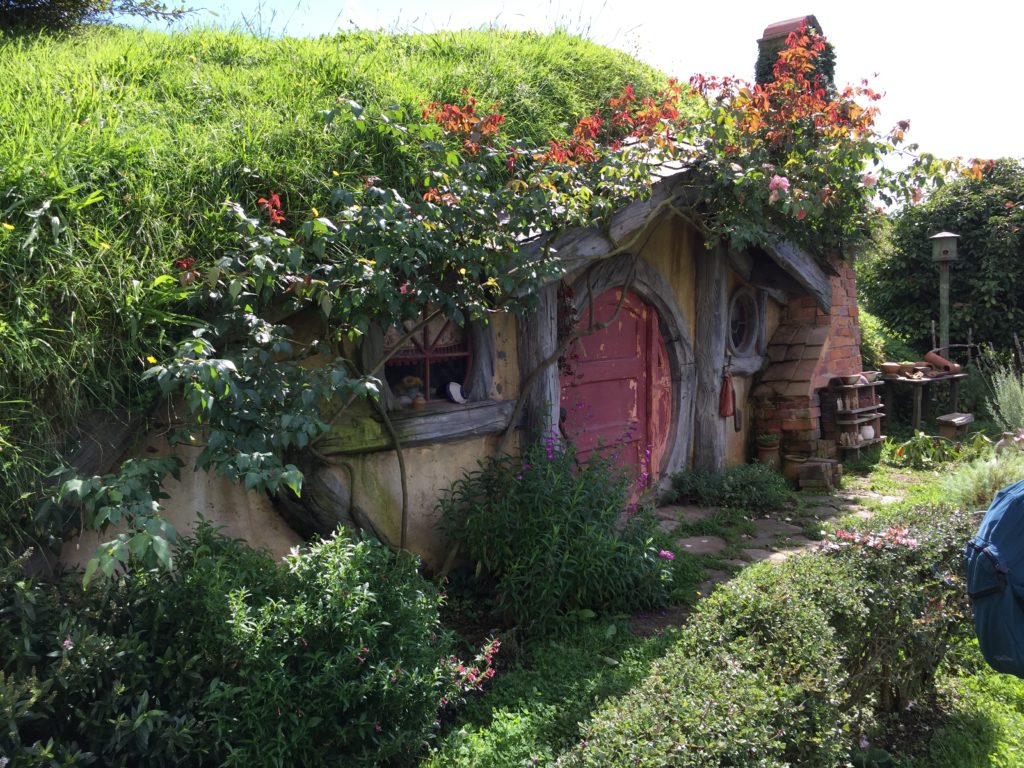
(869, 180)
(801, 214)
(666, 555)
(917, 195)
(778, 182)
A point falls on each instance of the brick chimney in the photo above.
(773, 40)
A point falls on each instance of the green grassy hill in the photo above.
(118, 147)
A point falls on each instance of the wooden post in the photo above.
(709, 351)
(537, 332)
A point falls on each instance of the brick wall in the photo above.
(807, 351)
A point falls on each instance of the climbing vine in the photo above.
(786, 159)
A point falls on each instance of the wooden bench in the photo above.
(954, 425)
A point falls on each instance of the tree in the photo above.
(900, 282)
(65, 14)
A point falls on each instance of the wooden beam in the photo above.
(578, 246)
(711, 321)
(805, 269)
(363, 433)
(537, 336)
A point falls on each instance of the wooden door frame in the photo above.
(650, 286)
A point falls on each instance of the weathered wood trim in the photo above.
(481, 369)
(576, 247)
(711, 321)
(803, 268)
(654, 289)
(441, 422)
(537, 339)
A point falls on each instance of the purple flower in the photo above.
(666, 555)
(68, 643)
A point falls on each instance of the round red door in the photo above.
(616, 385)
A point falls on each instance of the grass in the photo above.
(984, 723)
(534, 710)
(119, 147)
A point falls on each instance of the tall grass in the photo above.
(117, 148)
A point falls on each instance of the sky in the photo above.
(948, 68)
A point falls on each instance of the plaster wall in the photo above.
(377, 488)
(238, 513)
(670, 250)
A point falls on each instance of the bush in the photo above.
(786, 664)
(928, 451)
(1007, 403)
(753, 487)
(899, 283)
(337, 654)
(974, 485)
(546, 528)
(879, 343)
(747, 684)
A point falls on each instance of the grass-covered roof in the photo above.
(118, 147)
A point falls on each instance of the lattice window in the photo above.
(436, 355)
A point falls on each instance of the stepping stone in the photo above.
(667, 525)
(773, 528)
(801, 543)
(736, 563)
(822, 501)
(823, 511)
(702, 545)
(759, 555)
(685, 513)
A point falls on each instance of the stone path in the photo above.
(774, 538)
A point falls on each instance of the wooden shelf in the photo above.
(864, 444)
(858, 386)
(863, 409)
(861, 420)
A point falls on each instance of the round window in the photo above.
(742, 322)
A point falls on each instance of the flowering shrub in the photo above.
(803, 660)
(335, 655)
(546, 528)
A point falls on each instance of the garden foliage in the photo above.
(900, 283)
(790, 664)
(751, 487)
(56, 15)
(1007, 403)
(546, 529)
(880, 343)
(336, 654)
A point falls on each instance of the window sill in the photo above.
(438, 422)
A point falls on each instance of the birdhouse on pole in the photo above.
(944, 253)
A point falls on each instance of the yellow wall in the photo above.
(670, 250)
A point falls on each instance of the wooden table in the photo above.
(920, 390)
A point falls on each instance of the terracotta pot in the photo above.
(769, 454)
(890, 369)
(791, 465)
